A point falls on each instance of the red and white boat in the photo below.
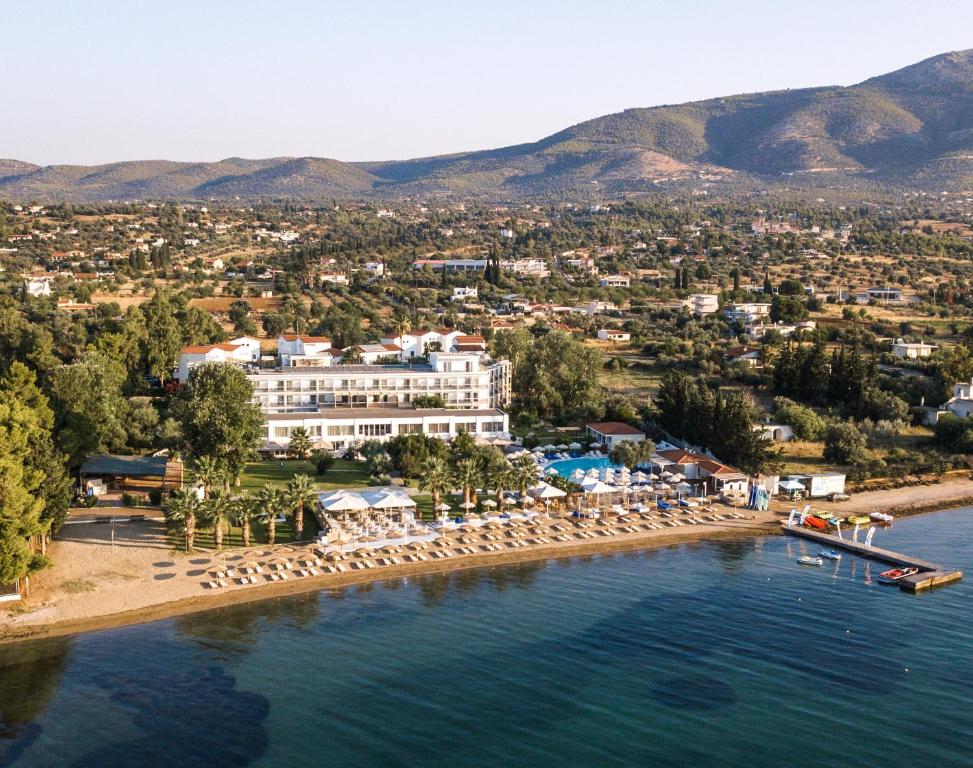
(895, 575)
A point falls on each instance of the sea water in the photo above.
(722, 653)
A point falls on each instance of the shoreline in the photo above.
(768, 524)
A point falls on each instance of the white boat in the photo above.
(881, 517)
(808, 560)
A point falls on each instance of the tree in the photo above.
(163, 335)
(468, 475)
(184, 508)
(300, 445)
(244, 513)
(90, 407)
(807, 425)
(270, 501)
(215, 510)
(630, 453)
(218, 416)
(844, 443)
(559, 378)
(435, 477)
(300, 492)
(525, 473)
(210, 473)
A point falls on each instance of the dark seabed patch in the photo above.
(695, 692)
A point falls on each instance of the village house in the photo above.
(748, 313)
(611, 433)
(295, 350)
(612, 334)
(701, 304)
(708, 473)
(241, 351)
(615, 281)
(905, 350)
(461, 293)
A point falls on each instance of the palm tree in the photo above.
(434, 476)
(503, 477)
(184, 507)
(270, 501)
(525, 471)
(300, 492)
(244, 513)
(402, 326)
(300, 444)
(216, 509)
(209, 472)
(467, 475)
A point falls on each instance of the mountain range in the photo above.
(912, 128)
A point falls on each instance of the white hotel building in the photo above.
(344, 404)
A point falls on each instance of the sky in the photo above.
(95, 82)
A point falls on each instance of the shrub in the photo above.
(133, 499)
(323, 462)
(807, 424)
(155, 497)
(90, 501)
(844, 444)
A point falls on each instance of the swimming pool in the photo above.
(566, 467)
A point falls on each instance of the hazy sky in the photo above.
(91, 82)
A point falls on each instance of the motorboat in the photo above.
(829, 554)
(808, 560)
(895, 575)
(882, 517)
(859, 520)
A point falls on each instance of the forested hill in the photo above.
(912, 128)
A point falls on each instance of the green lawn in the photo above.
(344, 474)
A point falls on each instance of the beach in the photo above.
(106, 576)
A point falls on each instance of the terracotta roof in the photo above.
(470, 340)
(615, 428)
(679, 456)
(299, 337)
(204, 348)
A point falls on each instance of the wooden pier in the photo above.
(930, 574)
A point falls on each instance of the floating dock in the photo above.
(930, 574)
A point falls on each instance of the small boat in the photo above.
(830, 554)
(808, 560)
(815, 522)
(859, 520)
(824, 515)
(896, 575)
(881, 517)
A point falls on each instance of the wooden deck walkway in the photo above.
(930, 574)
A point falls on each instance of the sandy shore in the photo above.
(97, 583)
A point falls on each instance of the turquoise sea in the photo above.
(714, 654)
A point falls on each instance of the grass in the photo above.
(344, 474)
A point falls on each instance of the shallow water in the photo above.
(712, 654)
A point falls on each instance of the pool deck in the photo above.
(930, 574)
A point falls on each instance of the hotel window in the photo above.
(341, 429)
(439, 428)
(409, 429)
(493, 426)
(374, 430)
(466, 426)
(282, 431)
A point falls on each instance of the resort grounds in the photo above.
(129, 572)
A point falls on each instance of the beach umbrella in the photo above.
(546, 492)
(526, 500)
(467, 505)
(508, 500)
(489, 503)
(443, 507)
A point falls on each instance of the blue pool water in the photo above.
(711, 655)
(565, 467)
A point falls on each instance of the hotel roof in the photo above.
(383, 413)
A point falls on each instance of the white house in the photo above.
(38, 286)
(463, 293)
(375, 268)
(420, 342)
(778, 433)
(748, 313)
(228, 352)
(704, 304)
(610, 334)
(611, 433)
(615, 281)
(248, 347)
(335, 278)
(905, 350)
(961, 403)
(295, 350)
